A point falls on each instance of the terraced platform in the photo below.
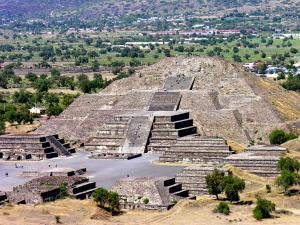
(260, 160)
(197, 149)
(33, 147)
(192, 178)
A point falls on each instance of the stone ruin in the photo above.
(46, 188)
(33, 147)
(154, 193)
(182, 109)
(260, 160)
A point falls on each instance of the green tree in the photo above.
(54, 109)
(95, 65)
(287, 163)
(100, 196)
(279, 136)
(114, 202)
(42, 85)
(237, 58)
(63, 191)
(2, 126)
(232, 186)
(235, 49)
(263, 209)
(215, 182)
(287, 179)
(55, 73)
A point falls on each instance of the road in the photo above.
(104, 172)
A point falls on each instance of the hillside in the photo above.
(91, 8)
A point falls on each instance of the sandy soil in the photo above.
(185, 213)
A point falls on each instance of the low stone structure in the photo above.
(55, 172)
(261, 160)
(197, 149)
(46, 188)
(192, 178)
(155, 193)
(33, 147)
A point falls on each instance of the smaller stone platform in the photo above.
(154, 193)
(33, 147)
(261, 160)
(46, 188)
(197, 149)
(192, 178)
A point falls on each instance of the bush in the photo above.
(268, 188)
(223, 208)
(146, 201)
(63, 191)
(279, 136)
(263, 209)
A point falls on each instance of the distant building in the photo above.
(37, 111)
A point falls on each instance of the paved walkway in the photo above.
(104, 172)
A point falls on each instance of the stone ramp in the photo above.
(165, 101)
(179, 82)
(138, 134)
(197, 149)
(124, 137)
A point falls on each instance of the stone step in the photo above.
(51, 155)
(104, 141)
(198, 149)
(174, 188)
(84, 195)
(173, 125)
(172, 118)
(182, 193)
(157, 149)
(171, 132)
(83, 187)
(25, 145)
(72, 150)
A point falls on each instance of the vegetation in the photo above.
(280, 136)
(292, 83)
(233, 185)
(217, 183)
(263, 209)
(268, 188)
(107, 200)
(288, 173)
(63, 191)
(146, 201)
(223, 208)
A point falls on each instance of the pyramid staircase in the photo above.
(167, 128)
(176, 190)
